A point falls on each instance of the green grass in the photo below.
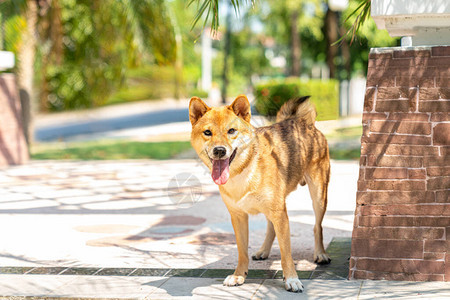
(345, 154)
(347, 133)
(110, 150)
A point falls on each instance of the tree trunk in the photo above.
(331, 36)
(296, 46)
(225, 56)
(346, 56)
(25, 69)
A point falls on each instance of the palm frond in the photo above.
(211, 8)
(364, 12)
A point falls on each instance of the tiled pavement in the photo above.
(131, 229)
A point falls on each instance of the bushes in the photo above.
(271, 95)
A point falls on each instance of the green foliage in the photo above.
(272, 95)
(105, 150)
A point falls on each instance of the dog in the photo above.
(257, 168)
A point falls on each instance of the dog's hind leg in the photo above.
(317, 180)
(264, 251)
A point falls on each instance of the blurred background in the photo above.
(101, 78)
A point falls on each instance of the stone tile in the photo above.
(217, 273)
(84, 199)
(314, 289)
(404, 290)
(301, 274)
(115, 271)
(108, 287)
(47, 270)
(204, 288)
(27, 285)
(80, 271)
(185, 273)
(149, 272)
(15, 270)
(261, 274)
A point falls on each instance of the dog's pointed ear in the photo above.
(241, 107)
(197, 108)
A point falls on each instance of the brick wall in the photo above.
(13, 148)
(402, 220)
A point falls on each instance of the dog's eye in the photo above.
(231, 131)
(207, 132)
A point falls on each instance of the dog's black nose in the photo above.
(219, 151)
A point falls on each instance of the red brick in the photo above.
(444, 150)
(442, 81)
(386, 173)
(387, 248)
(388, 185)
(436, 246)
(396, 276)
(440, 51)
(434, 106)
(404, 63)
(412, 81)
(438, 183)
(380, 79)
(397, 139)
(13, 149)
(417, 174)
(395, 161)
(401, 266)
(383, 55)
(433, 256)
(412, 221)
(442, 197)
(369, 98)
(391, 93)
(440, 117)
(441, 134)
(429, 94)
(439, 61)
(363, 160)
(379, 63)
(389, 149)
(401, 127)
(411, 53)
(406, 209)
(431, 161)
(424, 117)
(391, 197)
(399, 233)
(438, 171)
(395, 105)
(373, 116)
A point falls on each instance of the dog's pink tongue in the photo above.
(220, 171)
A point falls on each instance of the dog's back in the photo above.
(296, 144)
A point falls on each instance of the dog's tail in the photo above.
(298, 108)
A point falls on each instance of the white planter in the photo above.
(6, 60)
(426, 22)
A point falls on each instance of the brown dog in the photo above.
(257, 168)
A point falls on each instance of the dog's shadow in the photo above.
(212, 288)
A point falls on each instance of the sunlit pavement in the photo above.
(95, 223)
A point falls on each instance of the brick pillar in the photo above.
(402, 218)
(13, 148)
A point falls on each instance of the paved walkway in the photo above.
(157, 230)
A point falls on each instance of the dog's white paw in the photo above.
(294, 285)
(260, 255)
(233, 280)
(322, 259)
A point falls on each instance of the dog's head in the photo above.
(220, 134)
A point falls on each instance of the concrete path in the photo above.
(157, 230)
(155, 287)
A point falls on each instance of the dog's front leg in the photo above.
(239, 219)
(280, 222)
